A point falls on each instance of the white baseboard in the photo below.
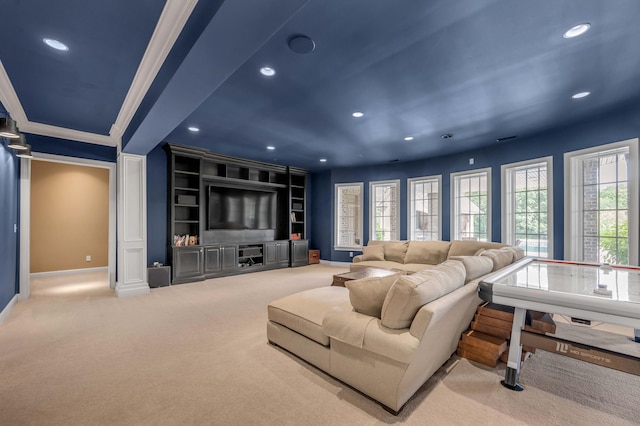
(7, 309)
(68, 272)
(331, 263)
(132, 290)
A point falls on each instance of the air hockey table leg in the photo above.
(512, 375)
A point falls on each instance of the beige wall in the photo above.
(69, 216)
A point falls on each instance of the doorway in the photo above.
(25, 215)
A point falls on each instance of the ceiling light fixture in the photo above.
(577, 30)
(25, 153)
(446, 136)
(55, 44)
(408, 138)
(9, 128)
(19, 144)
(358, 114)
(323, 160)
(267, 71)
(193, 129)
(271, 147)
(581, 95)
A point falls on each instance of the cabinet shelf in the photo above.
(186, 205)
(186, 221)
(185, 172)
(180, 188)
(244, 181)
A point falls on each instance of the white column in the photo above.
(132, 225)
(25, 228)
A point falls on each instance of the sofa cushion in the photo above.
(469, 248)
(303, 312)
(428, 252)
(346, 326)
(500, 257)
(518, 253)
(367, 294)
(475, 266)
(395, 251)
(373, 252)
(410, 292)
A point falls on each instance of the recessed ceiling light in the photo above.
(55, 44)
(577, 30)
(581, 95)
(358, 114)
(446, 136)
(408, 138)
(271, 147)
(267, 71)
(193, 129)
(323, 160)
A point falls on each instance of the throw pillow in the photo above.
(475, 266)
(427, 252)
(477, 253)
(367, 295)
(518, 253)
(500, 257)
(410, 292)
(395, 251)
(375, 252)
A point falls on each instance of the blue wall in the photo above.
(614, 126)
(157, 206)
(9, 181)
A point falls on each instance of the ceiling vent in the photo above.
(301, 44)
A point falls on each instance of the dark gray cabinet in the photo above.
(299, 252)
(212, 264)
(188, 264)
(276, 253)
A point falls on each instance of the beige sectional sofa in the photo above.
(387, 336)
(413, 256)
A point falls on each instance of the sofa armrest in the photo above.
(357, 258)
(347, 326)
(447, 305)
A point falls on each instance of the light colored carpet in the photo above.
(74, 354)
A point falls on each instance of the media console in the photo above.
(229, 215)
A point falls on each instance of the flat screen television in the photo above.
(241, 209)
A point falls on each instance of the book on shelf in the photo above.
(293, 216)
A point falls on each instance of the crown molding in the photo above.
(172, 20)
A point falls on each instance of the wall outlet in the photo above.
(472, 160)
(350, 254)
(88, 258)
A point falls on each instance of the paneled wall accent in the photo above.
(132, 225)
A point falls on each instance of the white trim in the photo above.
(372, 224)
(171, 22)
(335, 216)
(69, 272)
(410, 182)
(452, 189)
(506, 207)
(332, 263)
(7, 309)
(173, 18)
(573, 194)
(25, 210)
(25, 229)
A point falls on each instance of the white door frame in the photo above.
(25, 214)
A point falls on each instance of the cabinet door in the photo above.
(187, 262)
(299, 252)
(212, 260)
(283, 252)
(270, 253)
(229, 258)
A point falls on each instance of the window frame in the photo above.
(372, 202)
(337, 187)
(454, 211)
(410, 201)
(573, 192)
(508, 216)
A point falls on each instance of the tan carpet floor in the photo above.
(74, 354)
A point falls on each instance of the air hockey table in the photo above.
(594, 292)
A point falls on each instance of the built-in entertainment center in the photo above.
(228, 215)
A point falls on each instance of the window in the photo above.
(601, 204)
(425, 210)
(471, 205)
(385, 210)
(527, 213)
(348, 214)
